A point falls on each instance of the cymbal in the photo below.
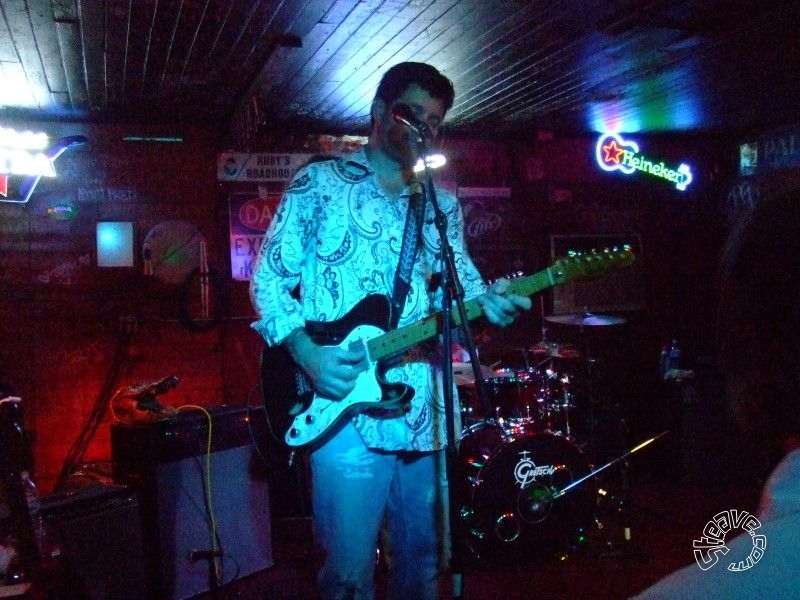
(586, 319)
(555, 349)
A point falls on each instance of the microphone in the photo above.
(155, 388)
(403, 114)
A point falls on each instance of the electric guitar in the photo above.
(306, 418)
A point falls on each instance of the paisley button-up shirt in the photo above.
(337, 236)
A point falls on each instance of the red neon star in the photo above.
(4, 186)
(613, 149)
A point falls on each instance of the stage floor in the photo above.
(664, 513)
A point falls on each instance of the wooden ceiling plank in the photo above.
(505, 70)
(398, 32)
(16, 92)
(25, 44)
(147, 38)
(354, 32)
(240, 38)
(354, 101)
(93, 36)
(69, 42)
(281, 70)
(196, 42)
(7, 51)
(278, 29)
(346, 25)
(491, 54)
(44, 32)
(233, 57)
(170, 55)
(116, 19)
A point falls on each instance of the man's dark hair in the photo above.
(397, 79)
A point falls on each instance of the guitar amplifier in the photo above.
(97, 530)
(167, 462)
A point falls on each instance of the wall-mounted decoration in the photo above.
(779, 149)
(250, 215)
(614, 153)
(495, 231)
(258, 167)
(115, 244)
(29, 156)
(172, 250)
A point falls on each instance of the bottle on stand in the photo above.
(45, 540)
(663, 362)
(674, 361)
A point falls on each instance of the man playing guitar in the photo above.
(335, 241)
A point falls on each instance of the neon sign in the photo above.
(30, 155)
(616, 154)
(22, 153)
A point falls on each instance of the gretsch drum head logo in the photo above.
(708, 548)
(526, 471)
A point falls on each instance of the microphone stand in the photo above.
(451, 290)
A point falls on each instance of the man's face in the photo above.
(399, 141)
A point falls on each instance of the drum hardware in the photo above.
(610, 463)
(586, 322)
(585, 319)
(555, 350)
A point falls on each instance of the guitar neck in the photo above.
(403, 338)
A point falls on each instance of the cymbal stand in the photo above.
(590, 395)
(524, 352)
(617, 499)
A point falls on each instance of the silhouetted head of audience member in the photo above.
(759, 323)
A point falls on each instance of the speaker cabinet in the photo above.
(188, 496)
(97, 528)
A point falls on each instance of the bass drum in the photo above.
(519, 501)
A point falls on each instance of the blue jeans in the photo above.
(353, 489)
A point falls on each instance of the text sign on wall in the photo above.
(250, 215)
(613, 153)
(258, 167)
(780, 149)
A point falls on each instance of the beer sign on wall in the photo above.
(614, 153)
(31, 156)
(251, 210)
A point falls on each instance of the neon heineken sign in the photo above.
(616, 154)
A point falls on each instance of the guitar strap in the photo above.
(408, 251)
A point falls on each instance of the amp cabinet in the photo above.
(97, 529)
(167, 463)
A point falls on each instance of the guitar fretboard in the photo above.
(403, 338)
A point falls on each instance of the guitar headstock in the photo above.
(594, 263)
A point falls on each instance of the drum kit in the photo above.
(527, 489)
